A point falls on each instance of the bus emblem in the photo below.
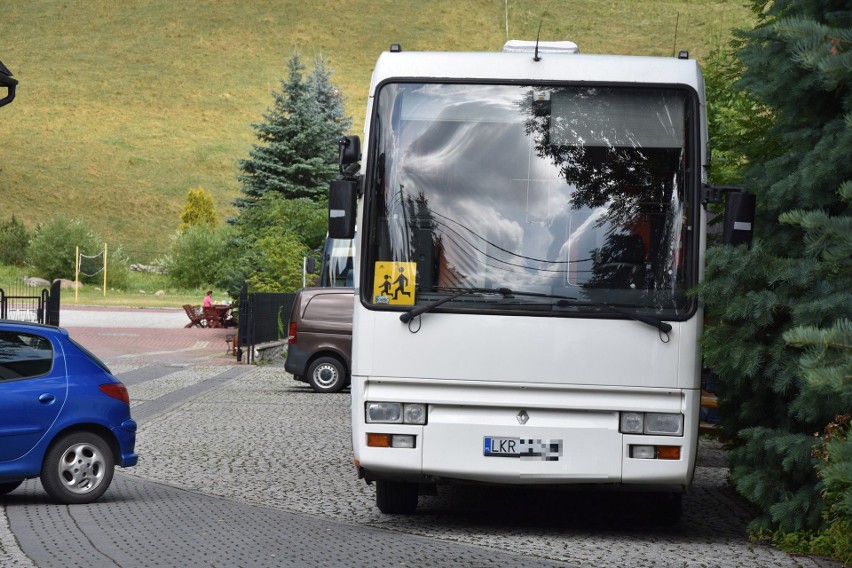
(523, 417)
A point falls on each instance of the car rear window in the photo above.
(24, 355)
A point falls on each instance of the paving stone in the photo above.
(243, 466)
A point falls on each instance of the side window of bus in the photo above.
(23, 356)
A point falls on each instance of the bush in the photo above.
(197, 256)
(53, 248)
(118, 270)
(198, 210)
(276, 263)
(14, 241)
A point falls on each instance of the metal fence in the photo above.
(264, 317)
(22, 303)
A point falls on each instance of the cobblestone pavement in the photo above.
(241, 465)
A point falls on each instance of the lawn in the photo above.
(123, 107)
(146, 290)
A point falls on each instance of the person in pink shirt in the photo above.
(208, 299)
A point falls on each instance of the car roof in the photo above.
(313, 291)
(33, 326)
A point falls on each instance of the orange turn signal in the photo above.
(668, 452)
(379, 440)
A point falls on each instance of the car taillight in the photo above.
(291, 336)
(116, 390)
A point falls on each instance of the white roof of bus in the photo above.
(501, 66)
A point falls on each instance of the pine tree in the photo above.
(769, 306)
(297, 151)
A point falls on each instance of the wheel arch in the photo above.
(330, 353)
(94, 428)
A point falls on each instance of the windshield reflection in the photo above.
(557, 190)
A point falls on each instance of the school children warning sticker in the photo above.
(394, 283)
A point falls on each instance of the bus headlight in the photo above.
(384, 412)
(664, 424)
(632, 422)
(395, 413)
(414, 414)
(652, 423)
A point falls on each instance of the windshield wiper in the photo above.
(405, 317)
(562, 301)
(665, 327)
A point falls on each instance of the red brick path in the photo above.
(124, 342)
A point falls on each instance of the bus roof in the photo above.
(520, 67)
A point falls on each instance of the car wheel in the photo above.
(396, 497)
(9, 487)
(78, 468)
(327, 374)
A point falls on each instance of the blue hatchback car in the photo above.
(63, 416)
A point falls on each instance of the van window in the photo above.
(330, 307)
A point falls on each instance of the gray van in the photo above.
(320, 338)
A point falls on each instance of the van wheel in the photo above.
(327, 374)
(396, 497)
(9, 487)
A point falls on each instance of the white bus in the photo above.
(529, 224)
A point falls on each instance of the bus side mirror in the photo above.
(350, 151)
(7, 81)
(739, 218)
(311, 265)
(341, 208)
(738, 227)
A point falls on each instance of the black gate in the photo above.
(43, 308)
(264, 317)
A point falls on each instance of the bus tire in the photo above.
(669, 508)
(395, 497)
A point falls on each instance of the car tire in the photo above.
(9, 486)
(326, 374)
(396, 497)
(77, 468)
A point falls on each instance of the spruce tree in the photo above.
(294, 161)
(296, 155)
(772, 308)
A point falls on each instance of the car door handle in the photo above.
(46, 398)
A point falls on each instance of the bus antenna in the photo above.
(674, 45)
(538, 35)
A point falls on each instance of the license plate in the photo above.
(524, 448)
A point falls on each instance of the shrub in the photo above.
(53, 247)
(14, 241)
(198, 210)
(276, 263)
(118, 270)
(196, 257)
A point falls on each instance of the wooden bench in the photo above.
(195, 319)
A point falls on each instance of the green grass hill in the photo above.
(122, 107)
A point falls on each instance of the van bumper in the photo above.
(297, 361)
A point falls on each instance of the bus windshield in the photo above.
(574, 191)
